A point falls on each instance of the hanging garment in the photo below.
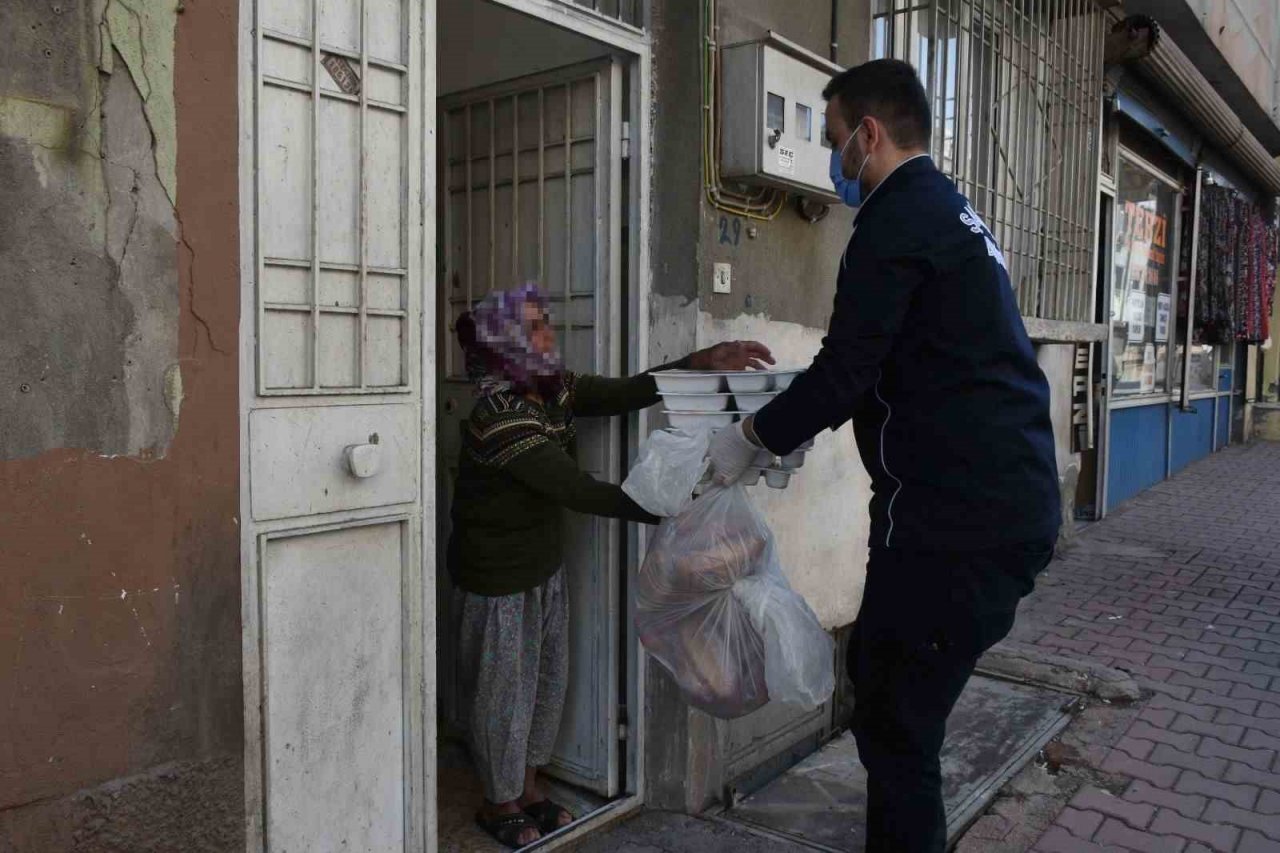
(1236, 269)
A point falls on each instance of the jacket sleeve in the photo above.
(550, 471)
(872, 298)
(598, 396)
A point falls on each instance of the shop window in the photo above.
(1204, 373)
(1142, 316)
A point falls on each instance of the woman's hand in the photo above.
(732, 355)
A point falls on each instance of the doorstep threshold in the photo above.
(997, 728)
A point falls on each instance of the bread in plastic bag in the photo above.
(669, 465)
(714, 608)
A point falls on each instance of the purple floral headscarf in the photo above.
(500, 356)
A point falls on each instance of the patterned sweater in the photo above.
(518, 472)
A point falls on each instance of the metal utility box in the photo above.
(773, 124)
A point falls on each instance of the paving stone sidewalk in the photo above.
(1181, 587)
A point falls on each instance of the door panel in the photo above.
(334, 209)
(334, 712)
(298, 463)
(513, 213)
(335, 142)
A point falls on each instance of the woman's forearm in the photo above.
(598, 396)
(551, 472)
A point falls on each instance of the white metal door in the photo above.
(337, 694)
(531, 192)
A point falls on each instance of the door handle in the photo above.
(450, 406)
(363, 460)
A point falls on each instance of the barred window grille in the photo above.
(627, 12)
(1015, 88)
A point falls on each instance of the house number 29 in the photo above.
(730, 231)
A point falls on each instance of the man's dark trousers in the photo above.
(926, 617)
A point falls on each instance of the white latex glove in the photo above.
(731, 453)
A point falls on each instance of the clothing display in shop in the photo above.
(1236, 269)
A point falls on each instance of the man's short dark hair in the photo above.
(889, 90)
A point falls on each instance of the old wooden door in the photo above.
(531, 191)
(336, 685)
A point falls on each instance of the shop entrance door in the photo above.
(531, 191)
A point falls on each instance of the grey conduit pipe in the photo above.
(835, 29)
(1170, 68)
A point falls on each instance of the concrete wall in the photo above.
(1247, 34)
(1235, 44)
(119, 568)
(1058, 363)
(783, 275)
(1271, 357)
(1266, 422)
(518, 45)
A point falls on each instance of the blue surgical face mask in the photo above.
(850, 191)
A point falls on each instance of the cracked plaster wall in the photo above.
(120, 693)
(89, 237)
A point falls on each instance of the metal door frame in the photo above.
(1107, 286)
(638, 68)
(1105, 219)
(1166, 397)
(605, 75)
(585, 22)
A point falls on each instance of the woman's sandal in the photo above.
(507, 828)
(547, 814)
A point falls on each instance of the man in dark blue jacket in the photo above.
(928, 356)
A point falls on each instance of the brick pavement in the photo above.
(1181, 587)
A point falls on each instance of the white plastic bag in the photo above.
(799, 657)
(715, 609)
(670, 464)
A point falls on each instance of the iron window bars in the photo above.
(1015, 88)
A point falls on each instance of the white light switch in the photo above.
(720, 282)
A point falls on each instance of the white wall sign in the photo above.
(1136, 314)
(1164, 305)
(1148, 368)
(786, 160)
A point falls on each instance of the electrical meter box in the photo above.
(773, 121)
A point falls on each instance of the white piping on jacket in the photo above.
(888, 414)
(888, 410)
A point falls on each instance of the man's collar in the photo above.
(917, 162)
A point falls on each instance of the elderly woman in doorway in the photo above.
(516, 474)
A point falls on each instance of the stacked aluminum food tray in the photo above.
(698, 400)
